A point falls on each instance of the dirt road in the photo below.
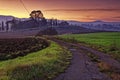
(82, 68)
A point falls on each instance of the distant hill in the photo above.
(4, 18)
(98, 25)
(74, 30)
(74, 27)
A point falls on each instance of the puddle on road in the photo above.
(72, 49)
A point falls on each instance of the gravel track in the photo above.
(81, 67)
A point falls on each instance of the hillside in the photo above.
(98, 25)
(73, 29)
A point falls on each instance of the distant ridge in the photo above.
(98, 25)
(98, 21)
(93, 21)
(5, 18)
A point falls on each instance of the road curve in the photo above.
(81, 67)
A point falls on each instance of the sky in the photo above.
(79, 10)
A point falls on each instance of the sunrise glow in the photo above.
(80, 10)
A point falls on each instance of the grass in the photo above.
(40, 65)
(108, 42)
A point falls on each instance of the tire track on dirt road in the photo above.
(81, 67)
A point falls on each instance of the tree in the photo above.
(43, 22)
(36, 15)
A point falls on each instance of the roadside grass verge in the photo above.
(41, 65)
(107, 42)
(104, 67)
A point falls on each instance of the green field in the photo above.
(108, 42)
(40, 65)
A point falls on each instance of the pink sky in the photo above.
(80, 10)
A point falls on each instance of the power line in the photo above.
(24, 6)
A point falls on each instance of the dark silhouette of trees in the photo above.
(43, 22)
(64, 23)
(53, 22)
(2, 25)
(36, 15)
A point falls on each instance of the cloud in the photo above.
(92, 18)
(117, 17)
(83, 10)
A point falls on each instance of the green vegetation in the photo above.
(108, 42)
(12, 48)
(40, 65)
